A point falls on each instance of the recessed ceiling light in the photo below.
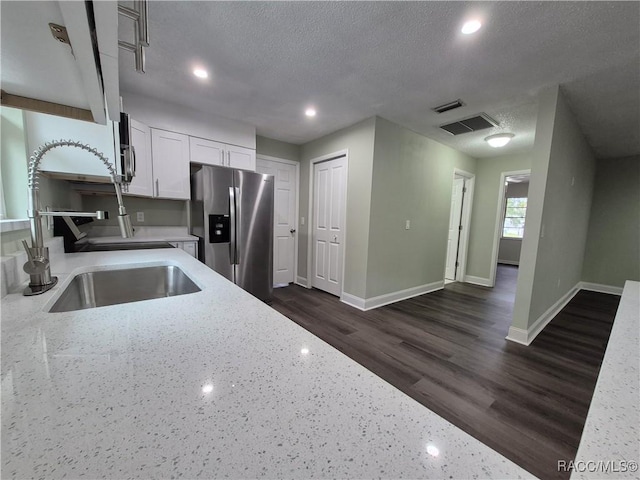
(433, 450)
(310, 112)
(200, 73)
(472, 26)
(499, 139)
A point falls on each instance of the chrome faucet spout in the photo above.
(40, 278)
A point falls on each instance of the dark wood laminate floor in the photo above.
(447, 350)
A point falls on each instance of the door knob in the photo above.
(293, 230)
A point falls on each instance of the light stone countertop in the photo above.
(610, 442)
(205, 385)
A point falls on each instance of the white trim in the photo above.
(13, 225)
(497, 233)
(597, 287)
(302, 281)
(485, 282)
(296, 226)
(365, 304)
(508, 262)
(529, 335)
(353, 301)
(467, 206)
(517, 335)
(330, 156)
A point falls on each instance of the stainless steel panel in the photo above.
(254, 236)
(210, 196)
(113, 287)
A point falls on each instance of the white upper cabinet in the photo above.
(171, 171)
(206, 152)
(41, 128)
(37, 66)
(142, 183)
(239, 157)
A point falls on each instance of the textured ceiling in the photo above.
(352, 60)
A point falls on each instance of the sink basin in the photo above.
(112, 287)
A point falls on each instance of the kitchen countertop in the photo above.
(610, 442)
(209, 384)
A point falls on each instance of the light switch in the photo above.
(407, 225)
(140, 216)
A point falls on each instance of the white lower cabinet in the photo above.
(170, 158)
(190, 247)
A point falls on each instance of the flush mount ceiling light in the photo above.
(471, 26)
(499, 139)
(310, 112)
(201, 73)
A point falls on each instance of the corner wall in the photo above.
(613, 244)
(560, 193)
(485, 208)
(412, 180)
(358, 140)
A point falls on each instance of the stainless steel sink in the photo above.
(112, 287)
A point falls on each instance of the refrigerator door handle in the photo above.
(236, 225)
(232, 225)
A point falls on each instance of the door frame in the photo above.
(499, 214)
(330, 156)
(465, 221)
(259, 156)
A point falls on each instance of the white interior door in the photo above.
(284, 218)
(329, 200)
(454, 228)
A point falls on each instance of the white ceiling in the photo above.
(352, 60)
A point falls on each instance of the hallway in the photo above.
(447, 350)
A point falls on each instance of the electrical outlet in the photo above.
(140, 216)
(407, 225)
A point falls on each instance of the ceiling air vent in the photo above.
(471, 124)
(449, 106)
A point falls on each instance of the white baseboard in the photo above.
(302, 281)
(381, 300)
(509, 262)
(485, 282)
(597, 287)
(525, 337)
(353, 301)
(518, 335)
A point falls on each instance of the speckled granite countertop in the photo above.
(206, 385)
(610, 443)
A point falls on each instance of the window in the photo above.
(515, 212)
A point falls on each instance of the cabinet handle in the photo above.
(229, 158)
(157, 187)
(221, 157)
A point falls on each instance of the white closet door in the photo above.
(330, 183)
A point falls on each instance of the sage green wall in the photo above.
(485, 208)
(157, 212)
(13, 162)
(613, 243)
(53, 193)
(276, 148)
(412, 180)
(359, 141)
(559, 205)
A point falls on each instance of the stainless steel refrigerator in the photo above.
(232, 214)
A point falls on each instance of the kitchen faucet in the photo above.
(38, 266)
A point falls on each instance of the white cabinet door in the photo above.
(240, 157)
(43, 128)
(206, 152)
(170, 153)
(191, 248)
(142, 183)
